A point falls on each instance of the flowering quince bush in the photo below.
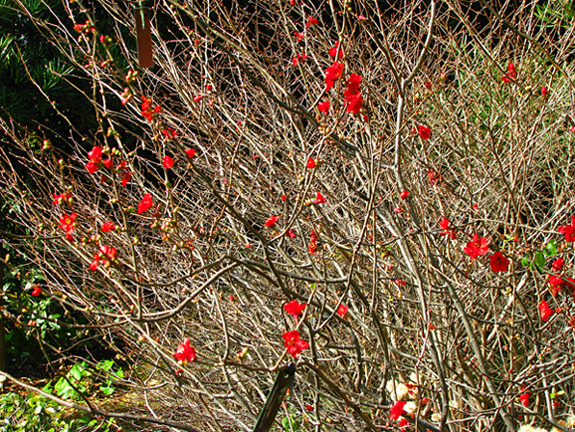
(395, 218)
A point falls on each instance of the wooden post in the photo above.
(144, 32)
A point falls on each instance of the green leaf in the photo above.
(105, 365)
(107, 390)
(524, 261)
(550, 249)
(76, 371)
(290, 424)
(539, 261)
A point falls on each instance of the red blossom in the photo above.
(145, 204)
(298, 58)
(400, 282)
(299, 36)
(311, 21)
(319, 199)
(36, 291)
(558, 264)
(544, 91)
(352, 95)
(404, 194)
(185, 353)
(310, 164)
(198, 98)
(95, 155)
(169, 132)
(333, 51)
(294, 308)
(498, 262)
(313, 238)
(108, 226)
(556, 283)
(332, 73)
(342, 310)
(190, 152)
(95, 262)
(545, 311)
(434, 177)
(68, 223)
(293, 343)
(511, 74)
(284, 198)
(477, 246)
(61, 198)
(397, 209)
(148, 110)
(403, 423)
(323, 107)
(291, 234)
(92, 167)
(271, 222)
(568, 230)
(524, 398)
(397, 410)
(447, 230)
(168, 162)
(308, 408)
(424, 132)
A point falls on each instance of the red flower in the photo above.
(332, 73)
(284, 198)
(168, 162)
(397, 209)
(568, 230)
(477, 246)
(352, 95)
(95, 155)
(319, 199)
(433, 176)
(185, 353)
(447, 230)
(400, 282)
(524, 398)
(145, 204)
(293, 343)
(126, 177)
(498, 262)
(299, 36)
(424, 132)
(298, 58)
(556, 283)
(271, 222)
(108, 226)
(428, 85)
(58, 199)
(403, 423)
(333, 51)
(544, 91)
(169, 132)
(147, 110)
(558, 264)
(404, 194)
(397, 410)
(36, 291)
(342, 310)
(323, 107)
(198, 98)
(511, 74)
(310, 163)
(68, 223)
(294, 308)
(92, 167)
(313, 238)
(311, 21)
(545, 311)
(95, 262)
(109, 163)
(308, 408)
(291, 233)
(190, 152)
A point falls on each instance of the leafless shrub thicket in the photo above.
(465, 346)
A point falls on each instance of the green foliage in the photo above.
(36, 413)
